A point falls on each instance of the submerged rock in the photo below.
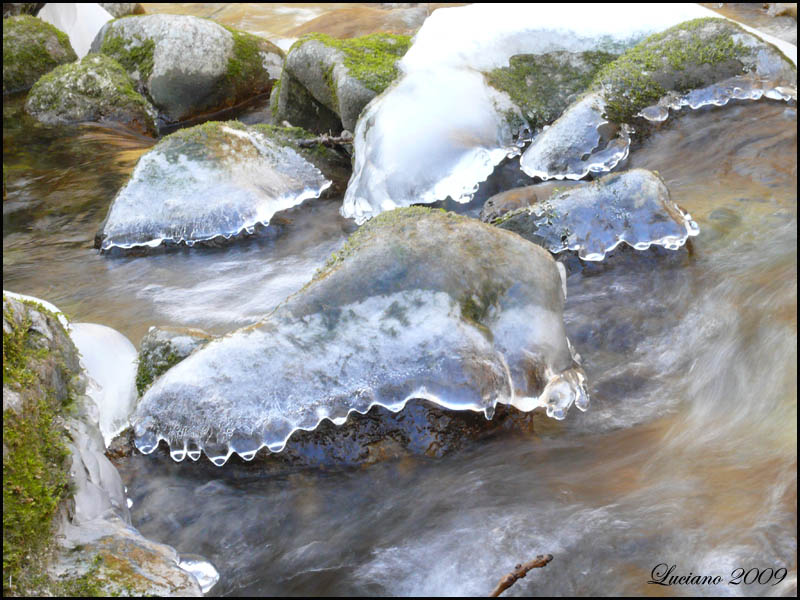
(123, 9)
(340, 75)
(55, 469)
(594, 218)
(410, 308)
(31, 48)
(96, 88)
(697, 58)
(189, 66)
(215, 180)
(365, 20)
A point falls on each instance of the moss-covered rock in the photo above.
(12, 9)
(123, 9)
(341, 75)
(66, 526)
(31, 48)
(96, 88)
(543, 85)
(691, 55)
(190, 66)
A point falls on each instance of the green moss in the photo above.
(540, 85)
(34, 462)
(29, 51)
(678, 59)
(245, 74)
(371, 59)
(152, 367)
(134, 55)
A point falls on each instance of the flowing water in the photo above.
(687, 455)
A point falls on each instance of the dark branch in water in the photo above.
(519, 572)
(327, 140)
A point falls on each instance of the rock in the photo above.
(541, 86)
(31, 48)
(520, 197)
(189, 66)
(216, 180)
(80, 21)
(164, 347)
(12, 9)
(96, 88)
(340, 75)
(55, 469)
(594, 218)
(410, 308)
(123, 9)
(704, 59)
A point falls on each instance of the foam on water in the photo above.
(183, 191)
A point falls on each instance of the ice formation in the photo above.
(214, 180)
(632, 207)
(109, 360)
(205, 573)
(421, 304)
(80, 21)
(440, 130)
(742, 87)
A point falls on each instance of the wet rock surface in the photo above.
(96, 88)
(164, 347)
(31, 48)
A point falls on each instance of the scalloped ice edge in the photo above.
(248, 228)
(525, 404)
(659, 112)
(669, 242)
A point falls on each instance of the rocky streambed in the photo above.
(340, 390)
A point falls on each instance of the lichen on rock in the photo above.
(96, 88)
(31, 48)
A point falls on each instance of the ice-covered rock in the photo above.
(164, 347)
(96, 88)
(215, 180)
(594, 218)
(693, 64)
(418, 304)
(31, 48)
(80, 21)
(439, 131)
(189, 66)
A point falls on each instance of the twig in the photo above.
(519, 572)
(326, 140)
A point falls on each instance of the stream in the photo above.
(687, 455)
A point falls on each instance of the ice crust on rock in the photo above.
(110, 360)
(440, 129)
(214, 180)
(594, 218)
(421, 304)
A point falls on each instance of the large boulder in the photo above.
(209, 182)
(96, 88)
(66, 523)
(410, 308)
(31, 48)
(190, 66)
(326, 82)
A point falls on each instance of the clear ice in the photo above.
(594, 218)
(440, 130)
(428, 305)
(185, 190)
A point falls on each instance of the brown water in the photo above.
(687, 455)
